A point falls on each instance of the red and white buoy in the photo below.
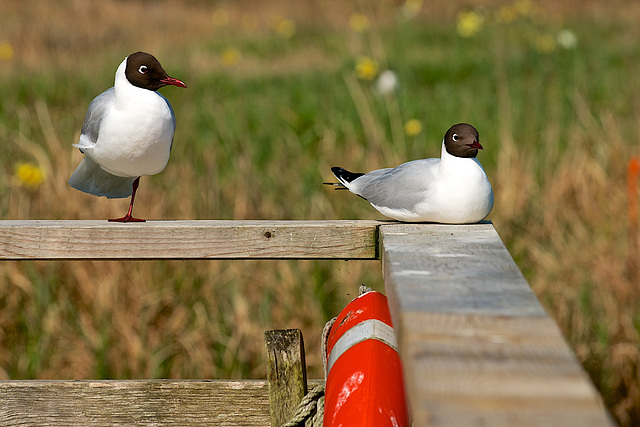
(364, 385)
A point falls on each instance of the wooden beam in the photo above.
(135, 402)
(202, 239)
(144, 402)
(477, 347)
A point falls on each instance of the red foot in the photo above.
(127, 218)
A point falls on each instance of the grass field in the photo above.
(278, 93)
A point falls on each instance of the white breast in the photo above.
(460, 194)
(135, 136)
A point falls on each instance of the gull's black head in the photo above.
(462, 140)
(144, 70)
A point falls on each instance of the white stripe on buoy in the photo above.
(367, 330)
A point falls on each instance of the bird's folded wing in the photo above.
(400, 188)
(93, 118)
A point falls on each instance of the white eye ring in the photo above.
(454, 136)
(143, 69)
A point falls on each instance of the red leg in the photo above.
(128, 217)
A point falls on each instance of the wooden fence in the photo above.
(477, 347)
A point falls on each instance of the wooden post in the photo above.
(286, 373)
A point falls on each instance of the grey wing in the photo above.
(95, 113)
(173, 118)
(398, 188)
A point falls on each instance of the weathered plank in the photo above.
(144, 402)
(476, 345)
(286, 373)
(202, 239)
(135, 403)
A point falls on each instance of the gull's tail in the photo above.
(91, 178)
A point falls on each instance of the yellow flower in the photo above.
(230, 57)
(366, 68)
(358, 22)
(545, 43)
(507, 14)
(411, 8)
(6, 51)
(29, 175)
(412, 127)
(286, 28)
(469, 23)
(525, 7)
(220, 18)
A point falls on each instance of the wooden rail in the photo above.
(100, 240)
(476, 345)
(135, 402)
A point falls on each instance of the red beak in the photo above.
(475, 145)
(173, 82)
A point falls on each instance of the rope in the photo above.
(323, 344)
(318, 418)
(309, 407)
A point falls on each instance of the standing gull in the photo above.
(127, 132)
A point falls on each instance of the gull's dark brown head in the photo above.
(462, 140)
(144, 70)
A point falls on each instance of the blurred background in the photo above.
(280, 91)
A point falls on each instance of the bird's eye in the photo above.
(143, 69)
(454, 137)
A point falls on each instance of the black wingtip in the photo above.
(345, 175)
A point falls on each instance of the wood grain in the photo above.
(202, 239)
(147, 402)
(286, 373)
(477, 347)
(135, 403)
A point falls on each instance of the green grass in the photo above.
(257, 139)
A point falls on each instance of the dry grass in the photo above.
(558, 134)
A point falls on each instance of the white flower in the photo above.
(567, 39)
(387, 82)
